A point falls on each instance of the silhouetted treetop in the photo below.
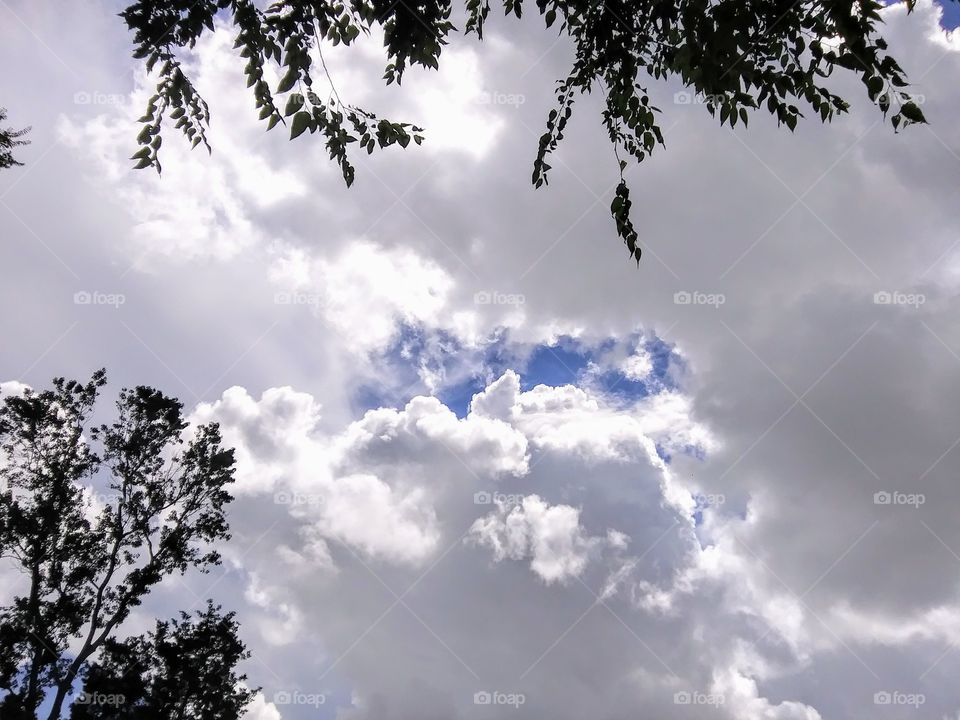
(86, 559)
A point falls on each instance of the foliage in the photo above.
(740, 55)
(183, 669)
(88, 562)
(9, 139)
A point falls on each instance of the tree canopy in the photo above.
(741, 55)
(87, 560)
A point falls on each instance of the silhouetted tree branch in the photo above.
(738, 55)
(9, 139)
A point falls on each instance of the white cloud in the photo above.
(367, 290)
(202, 207)
(13, 388)
(264, 434)
(638, 365)
(260, 709)
(550, 535)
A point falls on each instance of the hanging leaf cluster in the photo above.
(735, 56)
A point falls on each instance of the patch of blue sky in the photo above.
(555, 365)
(407, 367)
(950, 18)
(432, 362)
(951, 14)
(663, 453)
(613, 375)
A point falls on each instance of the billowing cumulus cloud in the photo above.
(507, 495)
(551, 536)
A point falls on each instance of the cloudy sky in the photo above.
(487, 467)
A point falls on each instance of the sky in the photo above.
(487, 466)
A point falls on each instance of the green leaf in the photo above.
(300, 123)
(294, 103)
(912, 113)
(288, 81)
